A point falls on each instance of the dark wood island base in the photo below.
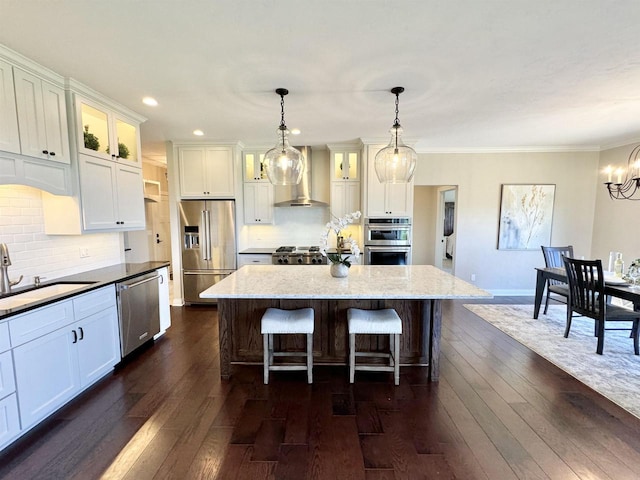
(241, 341)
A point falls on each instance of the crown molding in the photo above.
(523, 149)
(621, 143)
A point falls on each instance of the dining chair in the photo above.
(587, 298)
(553, 259)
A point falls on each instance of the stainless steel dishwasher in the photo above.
(138, 311)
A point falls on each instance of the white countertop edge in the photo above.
(345, 297)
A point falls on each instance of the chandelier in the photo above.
(396, 162)
(283, 163)
(627, 181)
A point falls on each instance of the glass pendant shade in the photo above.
(395, 163)
(283, 163)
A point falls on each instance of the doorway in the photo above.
(434, 223)
(445, 229)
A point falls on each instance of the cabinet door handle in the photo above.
(45, 152)
(53, 154)
(81, 333)
(75, 336)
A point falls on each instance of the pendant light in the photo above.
(396, 162)
(283, 163)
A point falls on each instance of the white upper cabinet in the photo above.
(345, 164)
(104, 133)
(386, 199)
(9, 137)
(206, 171)
(42, 118)
(345, 180)
(112, 195)
(253, 166)
(258, 203)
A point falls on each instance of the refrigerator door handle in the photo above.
(207, 231)
(203, 222)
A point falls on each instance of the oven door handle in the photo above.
(390, 248)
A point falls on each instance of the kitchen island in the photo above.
(415, 291)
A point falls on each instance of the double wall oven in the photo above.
(387, 241)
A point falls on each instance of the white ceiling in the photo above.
(478, 74)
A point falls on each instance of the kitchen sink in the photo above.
(39, 294)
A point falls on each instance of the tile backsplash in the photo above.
(33, 252)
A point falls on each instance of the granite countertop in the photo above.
(94, 278)
(363, 281)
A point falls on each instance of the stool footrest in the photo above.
(375, 368)
(289, 354)
(373, 354)
(287, 367)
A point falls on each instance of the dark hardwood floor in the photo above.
(499, 412)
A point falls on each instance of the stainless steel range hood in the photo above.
(300, 195)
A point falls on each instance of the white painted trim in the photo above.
(20, 61)
(88, 92)
(555, 149)
(622, 143)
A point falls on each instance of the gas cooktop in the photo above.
(289, 255)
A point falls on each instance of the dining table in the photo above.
(623, 291)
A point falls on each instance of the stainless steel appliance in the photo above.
(300, 195)
(208, 235)
(387, 241)
(138, 311)
(288, 255)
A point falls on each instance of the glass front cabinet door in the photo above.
(254, 167)
(345, 165)
(107, 135)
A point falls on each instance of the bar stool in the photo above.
(277, 321)
(375, 322)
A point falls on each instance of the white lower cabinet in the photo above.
(9, 423)
(254, 259)
(163, 298)
(47, 375)
(61, 349)
(9, 419)
(98, 345)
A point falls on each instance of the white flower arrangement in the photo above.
(336, 226)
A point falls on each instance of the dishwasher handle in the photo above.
(125, 286)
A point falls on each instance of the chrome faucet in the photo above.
(5, 262)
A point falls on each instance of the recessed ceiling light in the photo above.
(198, 133)
(152, 102)
(295, 131)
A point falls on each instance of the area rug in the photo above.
(615, 374)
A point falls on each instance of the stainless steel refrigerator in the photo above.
(208, 231)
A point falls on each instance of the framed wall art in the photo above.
(526, 212)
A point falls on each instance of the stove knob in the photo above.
(280, 260)
(300, 260)
(314, 261)
(286, 260)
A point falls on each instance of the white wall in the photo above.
(34, 253)
(617, 225)
(424, 225)
(479, 177)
